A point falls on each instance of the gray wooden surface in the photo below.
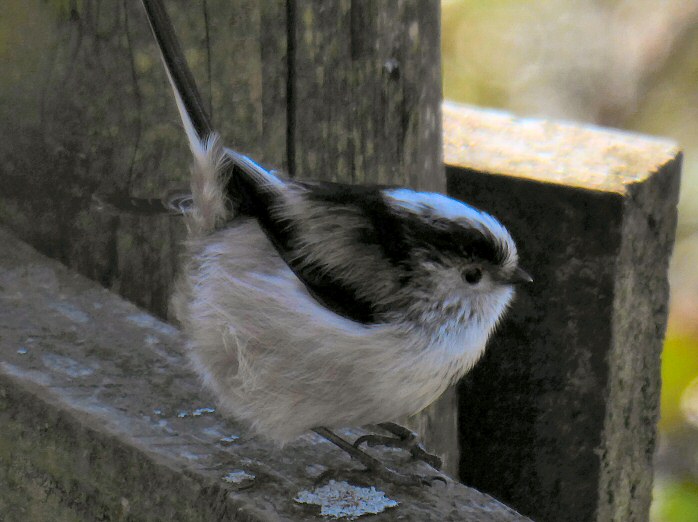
(559, 418)
(367, 92)
(101, 419)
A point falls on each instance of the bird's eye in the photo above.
(473, 275)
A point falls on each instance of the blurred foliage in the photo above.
(676, 501)
(630, 64)
(679, 368)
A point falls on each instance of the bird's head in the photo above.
(463, 262)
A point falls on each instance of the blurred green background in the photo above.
(632, 65)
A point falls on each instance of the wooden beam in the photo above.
(559, 418)
(366, 84)
(102, 419)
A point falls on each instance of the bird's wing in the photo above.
(339, 241)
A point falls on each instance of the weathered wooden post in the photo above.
(345, 91)
(559, 419)
(367, 86)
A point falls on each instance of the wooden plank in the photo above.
(97, 116)
(367, 91)
(362, 103)
(102, 419)
(559, 418)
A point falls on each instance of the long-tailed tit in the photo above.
(322, 304)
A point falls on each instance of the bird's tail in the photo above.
(209, 175)
(214, 165)
(208, 180)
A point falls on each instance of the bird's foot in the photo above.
(402, 438)
(372, 465)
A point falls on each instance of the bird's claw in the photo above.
(372, 464)
(405, 440)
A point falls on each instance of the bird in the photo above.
(315, 305)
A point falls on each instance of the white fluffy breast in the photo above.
(277, 359)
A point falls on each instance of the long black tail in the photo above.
(177, 69)
(196, 122)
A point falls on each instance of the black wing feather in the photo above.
(332, 293)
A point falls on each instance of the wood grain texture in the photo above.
(559, 417)
(345, 91)
(367, 92)
(90, 111)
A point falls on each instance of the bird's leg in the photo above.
(355, 453)
(404, 439)
(372, 464)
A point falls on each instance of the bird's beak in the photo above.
(518, 277)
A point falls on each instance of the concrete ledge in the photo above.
(101, 420)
